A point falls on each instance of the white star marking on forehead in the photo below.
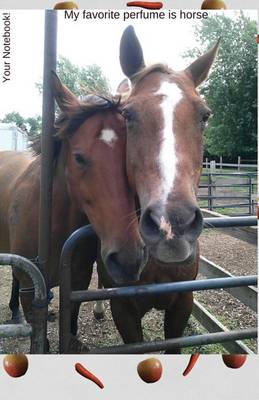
(108, 136)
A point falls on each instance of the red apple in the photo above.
(16, 365)
(213, 5)
(65, 5)
(234, 360)
(150, 370)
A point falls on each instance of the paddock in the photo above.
(43, 255)
(234, 251)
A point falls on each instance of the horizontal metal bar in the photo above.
(229, 222)
(15, 330)
(188, 341)
(230, 185)
(239, 205)
(245, 233)
(230, 173)
(205, 197)
(161, 288)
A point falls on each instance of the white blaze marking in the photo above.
(167, 156)
(166, 228)
(108, 136)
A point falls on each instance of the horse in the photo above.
(165, 118)
(89, 186)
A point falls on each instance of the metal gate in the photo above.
(37, 332)
(67, 296)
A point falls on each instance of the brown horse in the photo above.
(165, 119)
(89, 186)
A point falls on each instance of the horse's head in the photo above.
(165, 119)
(94, 137)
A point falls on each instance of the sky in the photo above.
(85, 42)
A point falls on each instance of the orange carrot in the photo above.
(150, 5)
(192, 362)
(87, 374)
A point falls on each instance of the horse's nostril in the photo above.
(123, 267)
(149, 225)
(113, 263)
(195, 225)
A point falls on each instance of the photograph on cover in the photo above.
(154, 145)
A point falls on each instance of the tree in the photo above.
(31, 125)
(231, 90)
(81, 80)
(16, 118)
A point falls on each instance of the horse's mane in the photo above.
(68, 122)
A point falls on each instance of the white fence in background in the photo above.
(241, 163)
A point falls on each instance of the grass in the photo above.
(195, 328)
(229, 324)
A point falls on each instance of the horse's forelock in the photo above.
(67, 123)
(148, 70)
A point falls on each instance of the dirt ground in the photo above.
(236, 256)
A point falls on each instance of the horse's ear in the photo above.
(65, 99)
(199, 69)
(123, 87)
(131, 55)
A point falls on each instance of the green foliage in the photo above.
(231, 90)
(16, 118)
(81, 80)
(31, 125)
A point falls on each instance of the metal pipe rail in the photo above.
(187, 341)
(17, 330)
(162, 288)
(39, 303)
(229, 222)
(241, 174)
(67, 296)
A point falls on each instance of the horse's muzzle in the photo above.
(173, 229)
(125, 267)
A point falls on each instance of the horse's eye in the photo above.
(127, 114)
(80, 160)
(205, 117)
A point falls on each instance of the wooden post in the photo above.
(238, 162)
(212, 166)
(220, 162)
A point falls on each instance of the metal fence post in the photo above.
(250, 192)
(48, 115)
(210, 199)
